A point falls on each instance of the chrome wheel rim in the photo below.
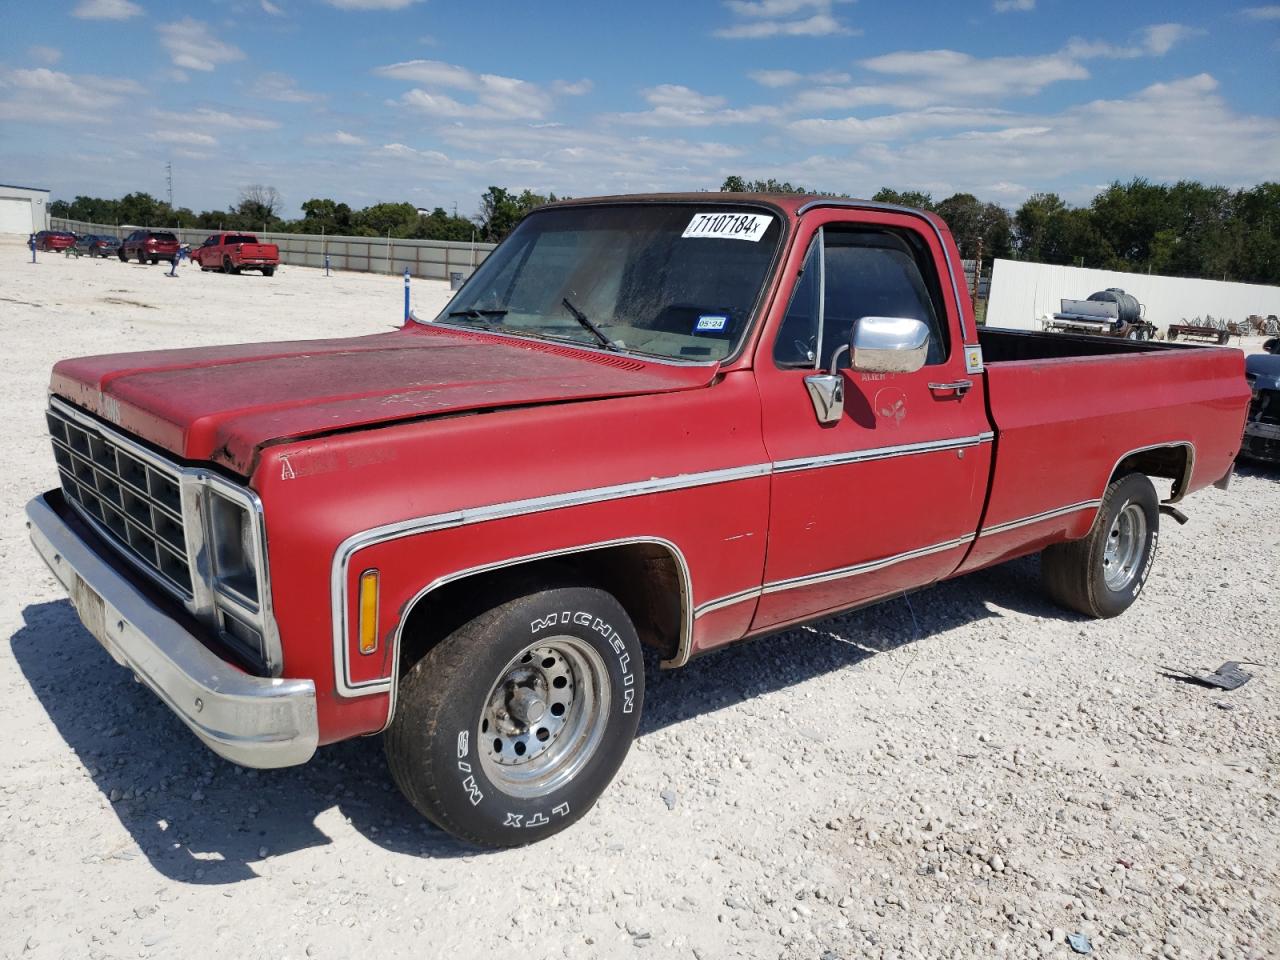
(1125, 541)
(544, 717)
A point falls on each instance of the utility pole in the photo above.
(977, 270)
(168, 176)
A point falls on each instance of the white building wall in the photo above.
(23, 210)
(1022, 294)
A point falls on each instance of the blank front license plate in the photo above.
(93, 612)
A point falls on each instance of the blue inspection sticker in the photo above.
(711, 323)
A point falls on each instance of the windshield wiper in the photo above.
(476, 314)
(583, 319)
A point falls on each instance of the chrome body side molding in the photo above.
(498, 511)
(1038, 517)
(880, 453)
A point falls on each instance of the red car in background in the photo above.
(149, 246)
(53, 240)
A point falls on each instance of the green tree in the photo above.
(735, 184)
(975, 223)
(321, 215)
(501, 210)
(1036, 219)
(440, 225)
(915, 199)
(381, 219)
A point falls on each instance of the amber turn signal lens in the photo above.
(369, 611)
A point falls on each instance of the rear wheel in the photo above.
(509, 729)
(227, 266)
(268, 271)
(1102, 575)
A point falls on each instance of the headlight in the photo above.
(233, 547)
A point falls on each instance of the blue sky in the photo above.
(431, 101)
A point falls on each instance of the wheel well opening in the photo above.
(646, 578)
(1172, 462)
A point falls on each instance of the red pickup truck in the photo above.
(233, 252)
(670, 422)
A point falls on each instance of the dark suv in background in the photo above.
(149, 246)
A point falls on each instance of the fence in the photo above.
(429, 259)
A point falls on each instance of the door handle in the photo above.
(958, 387)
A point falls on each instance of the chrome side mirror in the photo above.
(889, 345)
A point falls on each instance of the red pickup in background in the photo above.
(233, 252)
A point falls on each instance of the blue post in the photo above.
(406, 294)
(31, 242)
(326, 264)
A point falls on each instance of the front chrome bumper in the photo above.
(253, 721)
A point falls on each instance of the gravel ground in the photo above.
(978, 774)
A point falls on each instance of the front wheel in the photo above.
(509, 729)
(1102, 575)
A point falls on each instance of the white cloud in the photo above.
(760, 19)
(43, 54)
(401, 150)
(1166, 131)
(576, 88)
(789, 78)
(208, 117)
(41, 95)
(951, 75)
(282, 88)
(674, 105)
(1152, 41)
(339, 138)
(271, 8)
(371, 4)
(895, 126)
(1271, 12)
(106, 10)
(490, 96)
(1161, 38)
(187, 137)
(1005, 6)
(192, 45)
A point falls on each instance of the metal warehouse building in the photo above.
(23, 210)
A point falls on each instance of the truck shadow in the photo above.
(1261, 469)
(202, 820)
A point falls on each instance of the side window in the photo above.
(797, 343)
(859, 272)
(877, 273)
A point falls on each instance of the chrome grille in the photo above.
(135, 501)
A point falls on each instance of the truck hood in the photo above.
(222, 404)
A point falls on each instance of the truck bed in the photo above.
(1068, 411)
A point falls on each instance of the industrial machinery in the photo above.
(1107, 313)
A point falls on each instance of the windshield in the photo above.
(240, 238)
(673, 280)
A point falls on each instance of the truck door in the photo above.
(887, 497)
